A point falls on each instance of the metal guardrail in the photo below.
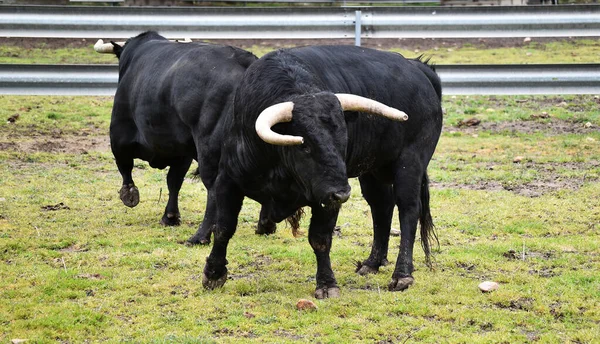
(456, 79)
(296, 23)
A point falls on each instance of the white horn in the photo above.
(351, 102)
(281, 112)
(105, 48)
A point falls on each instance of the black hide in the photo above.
(169, 110)
(390, 158)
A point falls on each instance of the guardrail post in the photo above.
(357, 28)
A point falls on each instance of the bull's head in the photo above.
(318, 155)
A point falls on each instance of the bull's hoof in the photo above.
(363, 269)
(130, 195)
(193, 241)
(401, 284)
(327, 292)
(266, 228)
(211, 284)
(198, 238)
(171, 219)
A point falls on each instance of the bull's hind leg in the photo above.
(175, 179)
(380, 198)
(410, 185)
(129, 193)
(320, 233)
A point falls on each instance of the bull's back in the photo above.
(384, 76)
(171, 91)
(388, 78)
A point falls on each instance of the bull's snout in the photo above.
(340, 197)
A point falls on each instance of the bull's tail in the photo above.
(428, 235)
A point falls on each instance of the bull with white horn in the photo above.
(307, 119)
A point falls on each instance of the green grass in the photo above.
(576, 51)
(99, 271)
(43, 54)
(584, 50)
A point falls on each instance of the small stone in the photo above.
(18, 341)
(518, 159)
(588, 125)
(528, 54)
(304, 304)
(563, 104)
(395, 232)
(488, 286)
(527, 39)
(590, 139)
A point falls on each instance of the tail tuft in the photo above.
(428, 235)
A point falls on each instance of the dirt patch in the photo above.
(533, 189)
(550, 180)
(382, 43)
(553, 126)
(63, 144)
(523, 304)
(54, 207)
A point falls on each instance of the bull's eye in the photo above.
(306, 149)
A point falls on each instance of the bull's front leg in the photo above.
(229, 199)
(320, 233)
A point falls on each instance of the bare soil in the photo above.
(551, 127)
(549, 180)
(404, 43)
(68, 144)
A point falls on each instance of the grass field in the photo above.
(515, 199)
(78, 266)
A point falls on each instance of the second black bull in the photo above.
(169, 109)
(298, 132)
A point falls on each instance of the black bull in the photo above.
(169, 110)
(389, 158)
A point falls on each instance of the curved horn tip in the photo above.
(98, 44)
(403, 117)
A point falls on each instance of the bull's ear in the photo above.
(117, 49)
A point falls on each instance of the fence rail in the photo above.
(456, 79)
(297, 23)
